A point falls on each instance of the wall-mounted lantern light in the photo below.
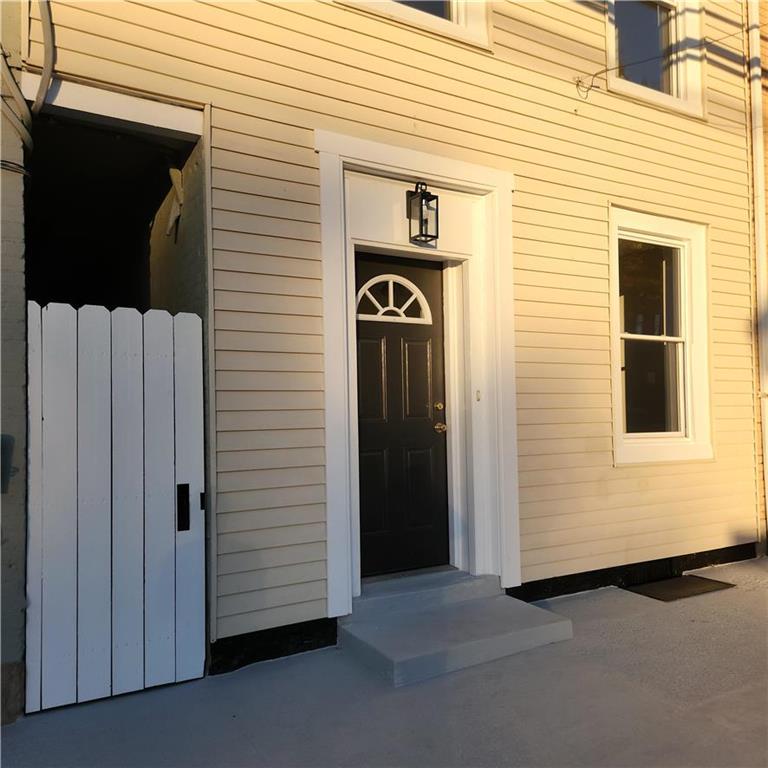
(421, 207)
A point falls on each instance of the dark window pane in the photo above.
(441, 8)
(648, 288)
(651, 386)
(644, 37)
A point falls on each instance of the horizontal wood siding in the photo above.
(276, 71)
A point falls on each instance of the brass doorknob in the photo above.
(440, 427)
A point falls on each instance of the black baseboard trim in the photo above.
(231, 653)
(630, 575)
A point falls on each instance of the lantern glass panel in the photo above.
(429, 216)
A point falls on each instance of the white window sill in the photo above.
(655, 450)
(472, 28)
(692, 106)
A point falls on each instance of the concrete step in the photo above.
(411, 646)
(418, 592)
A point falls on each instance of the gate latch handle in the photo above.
(182, 507)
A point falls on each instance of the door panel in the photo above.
(373, 493)
(372, 356)
(403, 475)
(419, 483)
(417, 379)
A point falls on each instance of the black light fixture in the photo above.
(421, 207)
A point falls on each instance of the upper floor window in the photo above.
(439, 8)
(645, 34)
(659, 329)
(465, 20)
(655, 52)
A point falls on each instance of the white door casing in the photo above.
(363, 187)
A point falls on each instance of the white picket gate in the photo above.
(115, 565)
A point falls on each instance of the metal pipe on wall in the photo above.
(48, 56)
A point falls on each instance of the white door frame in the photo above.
(492, 541)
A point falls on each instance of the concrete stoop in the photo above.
(416, 627)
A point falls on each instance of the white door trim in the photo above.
(492, 436)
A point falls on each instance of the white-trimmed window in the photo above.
(660, 368)
(655, 52)
(465, 20)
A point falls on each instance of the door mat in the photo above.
(678, 588)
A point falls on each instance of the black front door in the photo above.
(401, 412)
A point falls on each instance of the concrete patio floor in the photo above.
(643, 683)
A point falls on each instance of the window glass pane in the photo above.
(651, 386)
(644, 36)
(441, 8)
(648, 288)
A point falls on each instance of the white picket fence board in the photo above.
(34, 506)
(127, 502)
(59, 594)
(190, 545)
(159, 501)
(94, 504)
(116, 594)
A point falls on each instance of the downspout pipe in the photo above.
(49, 51)
(760, 214)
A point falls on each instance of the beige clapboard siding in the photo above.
(274, 72)
(594, 559)
(293, 52)
(622, 502)
(279, 189)
(711, 507)
(271, 617)
(269, 401)
(737, 529)
(281, 576)
(271, 518)
(259, 559)
(274, 597)
(268, 322)
(242, 501)
(672, 524)
(457, 141)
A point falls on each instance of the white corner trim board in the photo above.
(183, 121)
(495, 548)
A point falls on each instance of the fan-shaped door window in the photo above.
(392, 299)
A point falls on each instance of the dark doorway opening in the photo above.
(90, 202)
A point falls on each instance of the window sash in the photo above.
(668, 41)
(686, 60)
(680, 379)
